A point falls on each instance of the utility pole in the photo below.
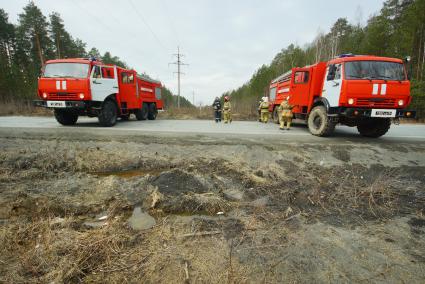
(179, 63)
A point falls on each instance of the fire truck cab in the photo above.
(363, 91)
(80, 86)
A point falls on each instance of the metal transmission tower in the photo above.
(179, 63)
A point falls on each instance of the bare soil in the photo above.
(224, 210)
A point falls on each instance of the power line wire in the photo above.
(171, 22)
(97, 19)
(147, 25)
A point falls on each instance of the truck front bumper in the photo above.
(68, 104)
(366, 112)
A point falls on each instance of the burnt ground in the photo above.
(79, 208)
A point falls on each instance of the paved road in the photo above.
(400, 132)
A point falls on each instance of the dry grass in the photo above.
(48, 251)
(51, 249)
(41, 242)
(22, 108)
(204, 113)
(187, 113)
(347, 194)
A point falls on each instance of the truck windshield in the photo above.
(66, 70)
(367, 70)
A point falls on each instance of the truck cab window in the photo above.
(337, 72)
(127, 78)
(96, 72)
(272, 94)
(301, 77)
(108, 72)
(158, 93)
(331, 73)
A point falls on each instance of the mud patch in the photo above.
(179, 182)
(230, 227)
(416, 222)
(289, 167)
(192, 204)
(341, 154)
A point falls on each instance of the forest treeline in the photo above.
(398, 30)
(24, 48)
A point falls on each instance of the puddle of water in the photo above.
(95, 225)
(233, 194)
(129, 173)
(141, 220)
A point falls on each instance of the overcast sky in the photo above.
(224, 41)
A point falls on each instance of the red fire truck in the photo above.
(363, 91)
(80, 86)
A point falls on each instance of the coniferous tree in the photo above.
(7, 49)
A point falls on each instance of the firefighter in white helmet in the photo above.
(264, 106)
(285, 114)
(259, 110)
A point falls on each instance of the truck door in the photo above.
(300, 89)
(103, 82)
(128, 91)
(332, 85)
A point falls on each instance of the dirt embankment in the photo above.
(198, 210)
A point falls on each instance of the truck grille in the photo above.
(375, 102)
(62, 96)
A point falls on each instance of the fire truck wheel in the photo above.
(375, 127)
(142, 113)
(152, 112)
(65, 117)
(318, 122)
(276, 115)
(108, 114)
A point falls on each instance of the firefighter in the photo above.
(217, 109)
(265, 110)
(285, 114)
(227, 115)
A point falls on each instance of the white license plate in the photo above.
(383, 113)
(58, 104)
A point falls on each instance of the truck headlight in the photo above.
(350, 101)
(44, 96)
(400, 102)
(81, 96)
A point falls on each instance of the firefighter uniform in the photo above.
(285, 115)
(217, 109)
(264, 111)
(227, 112)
